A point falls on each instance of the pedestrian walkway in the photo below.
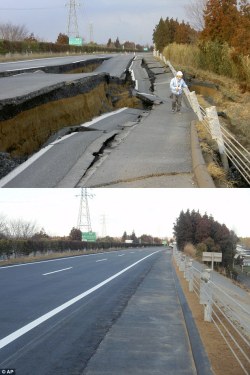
(151, 337)
(156, 153)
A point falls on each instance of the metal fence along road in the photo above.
(231, 318)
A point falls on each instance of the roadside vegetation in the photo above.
(196, 233)
(17, 40)
(214, 51)
(23, 241)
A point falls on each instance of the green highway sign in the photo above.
(75, 41)
(89, 236)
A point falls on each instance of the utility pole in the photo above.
(91, 33)
(84, 222)
(72, 29)
(104, 229)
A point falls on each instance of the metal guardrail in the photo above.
(228, 145)
(220, 309)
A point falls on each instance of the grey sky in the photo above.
(132, 20)
(150, 211)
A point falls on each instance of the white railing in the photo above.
(229, 316)
(229, 147)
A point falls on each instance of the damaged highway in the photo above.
(56, 125)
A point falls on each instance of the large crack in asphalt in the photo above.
(30, 122)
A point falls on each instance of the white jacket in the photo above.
(177, 85)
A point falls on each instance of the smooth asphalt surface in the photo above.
(111, 313)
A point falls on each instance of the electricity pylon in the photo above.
(84, 222)
(73, 30)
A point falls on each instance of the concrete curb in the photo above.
(203, 178)
(201, 360)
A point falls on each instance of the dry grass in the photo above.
(232, 95)
(190, 250)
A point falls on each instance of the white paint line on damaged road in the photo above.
(101, 260)
(102, 117)
(30, 161)
(121, 255)
(5, 180)
(20, 332)
(32, 67)
(50, 273)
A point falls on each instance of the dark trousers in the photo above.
(176, 103)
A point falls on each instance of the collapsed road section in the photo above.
(40, 110)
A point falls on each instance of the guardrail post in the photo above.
(215, 129)
(194, 103)
(190, 277)
(186, 269)
(182, 263)
(206, 295)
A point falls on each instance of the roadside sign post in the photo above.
(212, 257)
(206, 297)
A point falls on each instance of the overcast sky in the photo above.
(147, 211)
(132, 20)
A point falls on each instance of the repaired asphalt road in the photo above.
(110, 313)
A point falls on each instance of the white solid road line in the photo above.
(20, 332)
(50, 273)
(101, 260)
(121, 255)
(13, 174)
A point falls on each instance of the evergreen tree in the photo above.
(219, 17)
(117, 43)
(109, 44)
(124, 236)
(203, 229)
(183, 229)
(62, 39)
(75, 234)
(134, 238)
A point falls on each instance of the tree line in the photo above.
(217, 21)
(17, 39)
(170, 31)
(218, 39)
(23, 238)
(206, 234)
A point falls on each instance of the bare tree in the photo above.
(3, 227)
(195, 12)
(20, 229)
(11, 32)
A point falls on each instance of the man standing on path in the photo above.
(176, 85)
